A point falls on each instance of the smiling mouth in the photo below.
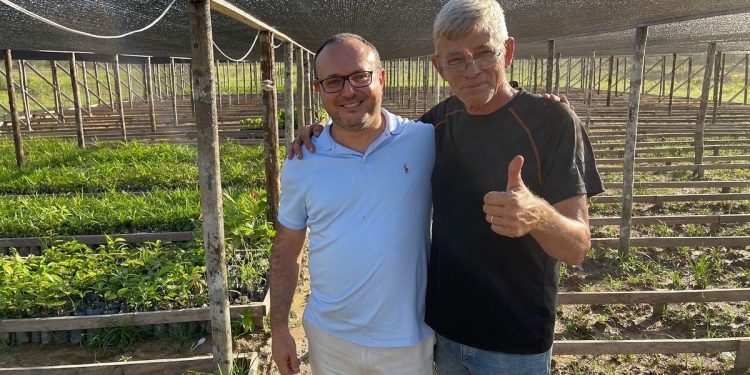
(351, 104)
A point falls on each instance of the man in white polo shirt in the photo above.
(365, 196)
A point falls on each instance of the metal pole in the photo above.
(76, 101)
(13, 108)
(206, 121)
(701, 123)
(636, 79)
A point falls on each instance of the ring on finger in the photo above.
(492, 219)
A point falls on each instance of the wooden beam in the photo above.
(204, 94)
(682, 219)
(66, 323)
(98, 239)
(231, 11)
(201, 364)
(634, 102)
(675, 242)
(651, 346)
(654, 296)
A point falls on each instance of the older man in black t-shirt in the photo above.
(511, 177)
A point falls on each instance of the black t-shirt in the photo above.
(485, 290)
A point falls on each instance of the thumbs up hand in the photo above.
(516, 211)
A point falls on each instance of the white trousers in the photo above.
(330, 355)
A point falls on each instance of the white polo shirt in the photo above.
(369, 218)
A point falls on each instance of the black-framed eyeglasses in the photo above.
(483, 61)
(336, 84)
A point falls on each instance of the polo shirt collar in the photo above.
(392, 127)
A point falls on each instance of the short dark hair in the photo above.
(339, 38)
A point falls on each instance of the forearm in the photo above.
(564, 235)
(285, 266)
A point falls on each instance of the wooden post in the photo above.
(689, 78)
(118, 91)
(58, 97)
(661, 77)
(149, 82)
(86, 89)
(288, 92)
(550, 60)
(701, 123)
(717, 83)
(237, 79)
(24, 94)
(609, 80)
(206, 121)
(742, 360)
(671, 84)
(13, 108)
(557, 73)
(300, 88)
(130, 85)
(721, 79)
(309, 87)
(109, 87)
(174, 92)
(218, 82)
(76, 101)
(98, 84)
(636, 79)
(270, 127)
(435, 85)
(535, 73)
(590, 82)
(747, 75)
(157, 79)
(567, 77)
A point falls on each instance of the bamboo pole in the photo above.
(701, 123)
(636, 79)
(288, 92)
(13, 109)
(270, 128)
(76, 101)
(206, 121)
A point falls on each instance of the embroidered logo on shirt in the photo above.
(406, 168)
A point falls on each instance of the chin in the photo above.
(476, 99)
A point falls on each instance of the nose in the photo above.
(348, 89)
(472, 69)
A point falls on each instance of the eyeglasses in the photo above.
(484, 61)
(336, 84)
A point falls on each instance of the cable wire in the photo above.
(241, 58)
(53, 23)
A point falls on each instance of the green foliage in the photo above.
(59, 166)
(116, 338)
(252, 123)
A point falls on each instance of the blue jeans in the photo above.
(453, 358)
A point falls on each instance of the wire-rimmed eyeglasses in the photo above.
(483, 61)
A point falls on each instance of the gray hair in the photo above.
(459, 18)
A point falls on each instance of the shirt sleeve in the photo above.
(292, 210)
(570, 169)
